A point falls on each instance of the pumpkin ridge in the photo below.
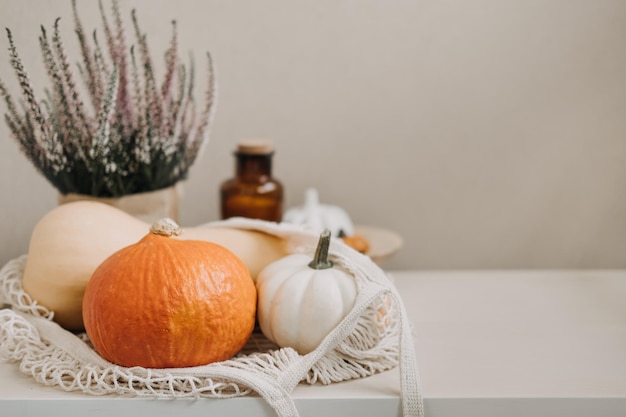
(291, 293)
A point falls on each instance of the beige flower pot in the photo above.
(149, 206)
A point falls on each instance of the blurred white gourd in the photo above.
(318, 217)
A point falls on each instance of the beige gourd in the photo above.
(72, 240)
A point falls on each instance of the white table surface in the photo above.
(489, 343)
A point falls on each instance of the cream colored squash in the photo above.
(73, 239)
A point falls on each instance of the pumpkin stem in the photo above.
(320, 261)
(311, 198)
(166, 227)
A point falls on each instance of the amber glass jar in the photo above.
(253, 192)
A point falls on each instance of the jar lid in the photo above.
(255, 146)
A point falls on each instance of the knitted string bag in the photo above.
(375, 336)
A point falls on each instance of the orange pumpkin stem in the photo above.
(166, 227)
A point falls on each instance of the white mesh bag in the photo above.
(374, 337)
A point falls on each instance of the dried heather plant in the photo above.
(131, 135)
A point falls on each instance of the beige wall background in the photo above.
(489, 133)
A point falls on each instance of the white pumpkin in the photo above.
(318, 217)
(301, 301)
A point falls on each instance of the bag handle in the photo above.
(411, 394)
(376, 283)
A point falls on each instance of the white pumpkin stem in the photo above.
(320, 261)
(166, 227)
(311, 198)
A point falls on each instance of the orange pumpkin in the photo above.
(169, 303)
